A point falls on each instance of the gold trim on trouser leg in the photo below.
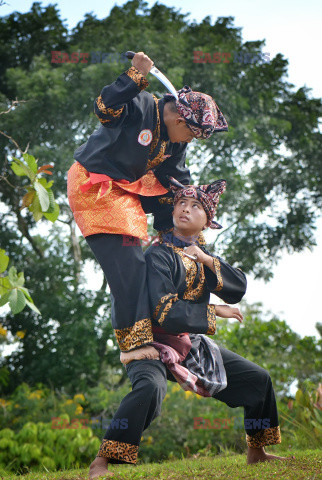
(119, 451)
(133, 337)
(267, 436)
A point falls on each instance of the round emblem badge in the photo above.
(145, 137)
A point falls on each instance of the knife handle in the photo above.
(129, 54)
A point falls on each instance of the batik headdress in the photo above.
(200, 112)
(207, 195)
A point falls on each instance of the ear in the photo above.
(180, 120)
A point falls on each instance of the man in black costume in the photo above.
(181, 275)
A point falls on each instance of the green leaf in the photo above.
(17, 301)
(5, 285)
(4, 260)
(43, 182)
(4, 299)
(51, 201)
(21, 279)
(31, 161)
(54, 215)
(35, 208)
(26, 293)
(22, 169)
(13, 277)
(42, 195)
(32, 306)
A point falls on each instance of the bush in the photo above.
(37, 446)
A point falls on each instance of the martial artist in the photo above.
(181, 275)
(120, 175)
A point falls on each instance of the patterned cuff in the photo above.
(268, 436)
(137, 77)
(107, 114)
(218, 273)
(131, 337)
(211, 318)
(125, 452)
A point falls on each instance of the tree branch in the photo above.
(24, 229)
(14, 103)
(14, 142)
(77, 254)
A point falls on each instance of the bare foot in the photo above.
(255, 455)
(145, 352)
(98, 468)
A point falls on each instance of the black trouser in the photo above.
(248, 386)
(124, 267)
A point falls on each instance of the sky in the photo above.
(292, 28)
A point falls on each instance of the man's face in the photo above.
(189, 216)
(178, 131)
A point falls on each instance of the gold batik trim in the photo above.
(156, 131)
(137, 77)
(159, 158)
(211, 318)
(131, 337)
(108, 111)
(267, 436)
(220, 283)
(119, 451)
(164, 200)
(191, 273)
(201, 239)
(167, 301)
(154, 162)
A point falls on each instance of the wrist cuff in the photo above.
(137, 77)
(211, 318)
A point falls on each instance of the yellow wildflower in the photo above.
(175, 388)
(3, 402)
(149, 440)
(3, 331)
(79, 397)
(188, 393)
(36, 394)
(20, 334)
(69, 402)
(167, 396)
(78, 410)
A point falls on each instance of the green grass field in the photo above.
(306, 466)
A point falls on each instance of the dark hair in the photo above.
(172, 104)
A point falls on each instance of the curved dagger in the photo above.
(159, 75)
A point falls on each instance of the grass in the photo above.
(306, 466)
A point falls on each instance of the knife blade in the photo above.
(159, 75)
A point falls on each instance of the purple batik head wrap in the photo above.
(200, 112)
(207, 195)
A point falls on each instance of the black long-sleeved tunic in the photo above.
(132, 139)
(179, 288)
